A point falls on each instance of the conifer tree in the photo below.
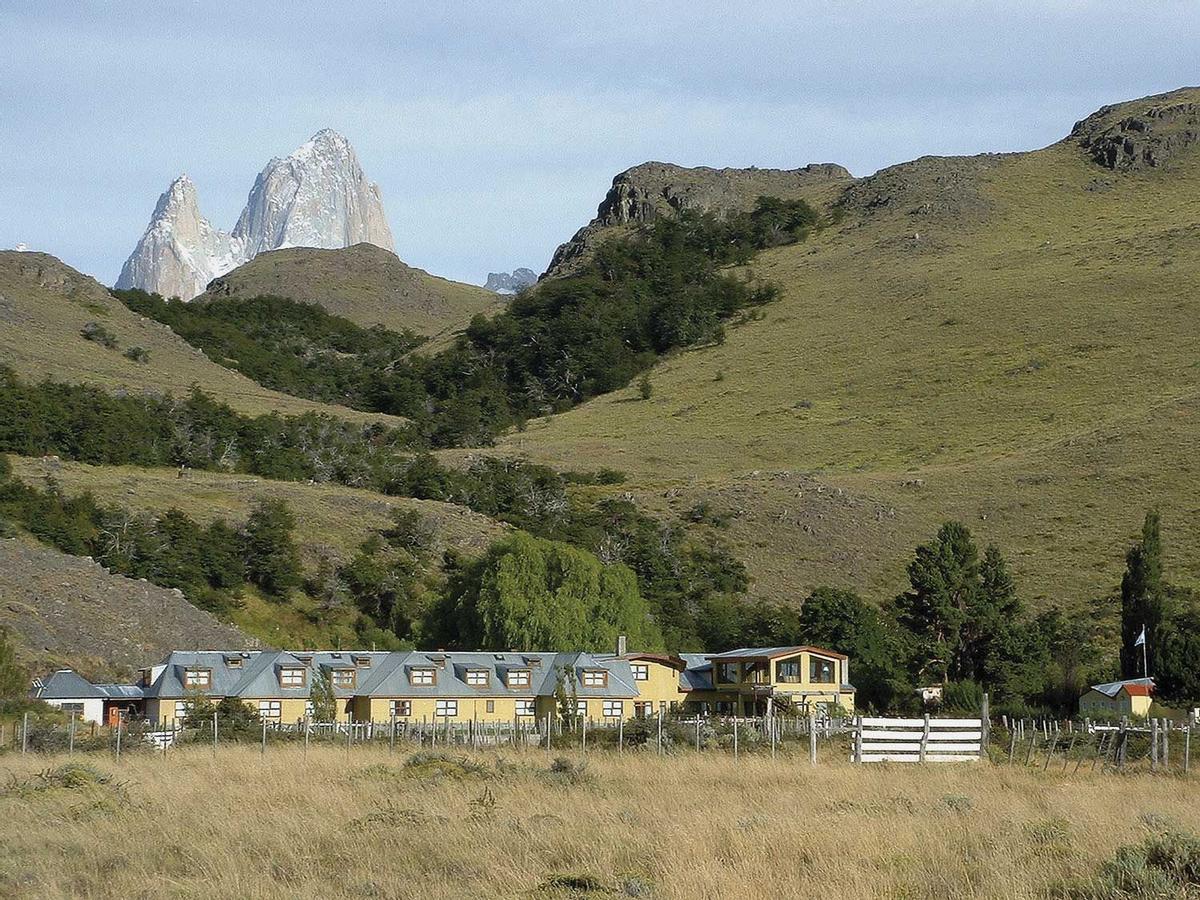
(1143, 598)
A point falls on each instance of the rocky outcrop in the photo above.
(510, 282)
(655, 189)
(1143, 134)
(316, 197)
(932, 187)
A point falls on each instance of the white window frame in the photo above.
(519, 678)
(192, 679)
(641, 671)
(525, 708)
(595, 678)
(270, 709)
(423, 675)
(400, 709)
(445, 709)
(478, 677)
(614, 709)
(181, 709)
(581, 708)
(344, 678)
(293, 677)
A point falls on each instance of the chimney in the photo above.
(622, 643)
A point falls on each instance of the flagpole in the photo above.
(1145, 667)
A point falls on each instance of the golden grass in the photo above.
(1031, 371)
(332, 824)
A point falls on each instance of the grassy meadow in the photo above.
(1025, 363)
(368, 824)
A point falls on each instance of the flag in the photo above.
(1141, 638)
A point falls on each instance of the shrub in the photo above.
(94, 331)
(138, 354)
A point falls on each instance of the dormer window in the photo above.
(233, 662)
(197, 679)
(363, 662)
(344, 678)
(293, 677)
(518, 678)
(595, 678)
(478, 677)
(423, 675)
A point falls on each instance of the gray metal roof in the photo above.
(1112, 688)
(698, 674)
(66, 684)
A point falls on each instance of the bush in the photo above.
(94, 331)
(138, 354)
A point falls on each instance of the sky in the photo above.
(494, 129)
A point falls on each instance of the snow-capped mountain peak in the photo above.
(317, 196)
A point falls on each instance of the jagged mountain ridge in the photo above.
(317, 196)
(510, 282)
(654, 189)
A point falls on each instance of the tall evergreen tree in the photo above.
(1143, 599)
(944, 575)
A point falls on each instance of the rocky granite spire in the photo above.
(316, 197)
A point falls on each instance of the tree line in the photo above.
(637, 297)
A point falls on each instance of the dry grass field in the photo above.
(371, 825)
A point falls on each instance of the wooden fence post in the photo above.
(660, 747)
(307, 727)
(71, 736)
(985, 721)
(25, 735)
(263, 749)
(812, 739)
(1187, 747)
(924, 740)
(735, 737)
(697, 732)
(1153, 744)
(118, 735)
(858, 739)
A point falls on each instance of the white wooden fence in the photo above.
(918, 740)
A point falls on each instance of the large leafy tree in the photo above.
(530, 593)
(841, 620)
(272, 558)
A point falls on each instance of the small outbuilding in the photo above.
(1131, 697)
(99, 703)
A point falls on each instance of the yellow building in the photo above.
(1118, 698)
(758, 681)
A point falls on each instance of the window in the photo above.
(197, 679)
(820, 671)
(400, 708)
(491, 706)
(518, 678)
(581, 708)
(423, 676)
(234, 662)
(181, 710)
(614, 708)
(727, 673)
(71, 707)
(343, 678)
(788, 671)
(524, 707)
(292, 677)
(478, 677)
(363, 662)
(643, 709)
(641, 672)
(595, 678)
(270, 709)
(446, 708)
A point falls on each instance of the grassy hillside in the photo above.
(1008, 340)
(331, 522)
(363, 283)
(45, 306)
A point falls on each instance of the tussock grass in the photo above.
(685, 825)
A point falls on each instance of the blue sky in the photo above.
(494, 129)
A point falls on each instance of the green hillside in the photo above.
(1005, 339)
(45, 307)
(364, 284)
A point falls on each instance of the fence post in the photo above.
(735, 737)
(1187, 748)
(25, 734)
(858, 739)
(660, 746)
(214, 733)
(71, 736)
(263, 747)
(118, 737)
(985, 722)
(350, 736)
(307, 726)
(1153, 744)
(392, 737)
(621, 732)
(924, 739)
(812, 739)
(697, 732)
(583, 733)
